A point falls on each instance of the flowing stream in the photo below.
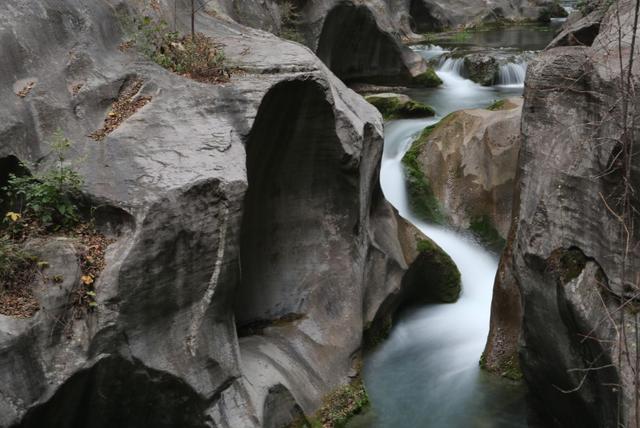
(427, 373)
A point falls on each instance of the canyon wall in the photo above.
(572, 260)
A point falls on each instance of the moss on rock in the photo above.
(568, 264)
(434, 267)
(428, 79)
(339, 406)
(421, 196)
(496, 105)
(485, 231)
(376, 332)
(396, 106)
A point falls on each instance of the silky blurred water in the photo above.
(427, 373)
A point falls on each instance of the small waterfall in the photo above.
(512, 74)
(452, 65)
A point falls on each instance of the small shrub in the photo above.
(194, 56)
(49, 197)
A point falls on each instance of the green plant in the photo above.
(496, 105)
(49, 197)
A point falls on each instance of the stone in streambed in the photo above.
(398, 106)
(481, 68)
(463, 170)
(427, 79)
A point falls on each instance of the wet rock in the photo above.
(481, 68)
(199, 250)
(463, 169)
(399, 106)
(427, 79)
(359, 45)
(432, 15)
(566, 253)
(429, 276)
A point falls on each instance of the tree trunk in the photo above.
(193, 19)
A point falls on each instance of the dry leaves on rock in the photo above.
(122, 109)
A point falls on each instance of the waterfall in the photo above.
(512, 74)
(452, 65)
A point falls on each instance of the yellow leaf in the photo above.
(13, 216)
(112, 114)
(87, 279)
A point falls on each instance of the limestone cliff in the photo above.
(252, 241)
(570, 256)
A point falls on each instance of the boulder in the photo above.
(481, 68)
(462, 170)
(399, 106)
(571, 257)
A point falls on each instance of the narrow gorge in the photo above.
(319, 213)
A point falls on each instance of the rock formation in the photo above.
(467, 163)
(437, 15)
(570, 260)
(398, 106)
(252, 243)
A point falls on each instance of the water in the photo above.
(456, 92)
(427, 374)
(512, 74)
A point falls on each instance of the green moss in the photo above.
(421, 196)
(483, 228)
(510, 369)
(568, 264)
(427, 79)
(483, 361)
(394, 108)
(496, 105)
(440, 271)
(376, 332)
(339, 406)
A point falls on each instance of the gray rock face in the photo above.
(255, 202)
(436, 15)
(569, 256)
(359, 41)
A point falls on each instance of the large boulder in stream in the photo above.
(462, 169)
(431, 277)
(573, 261)
(251, 242)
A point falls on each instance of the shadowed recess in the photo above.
(356, 50)
(301, 203)
(119, 393)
